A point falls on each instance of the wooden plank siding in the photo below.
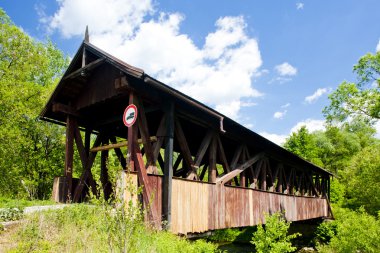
(200, 206)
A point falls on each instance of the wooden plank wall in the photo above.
(127, 187)
(199, 206)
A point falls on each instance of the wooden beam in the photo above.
(86, 172)
(203, 172)
(104, 179)
(82, 71)
(256, 174)
(147, 188)
(119, 145)
(239, 169)
(177, 163)
(168, 168)
(183, 145)
(263, 180)
(243, 159)
(69, 154)
(58, 107)
(161, 132)
(212, 161)
(84, 158)
(203, 148)
(145, 136)
(223, 158)
(119, 154)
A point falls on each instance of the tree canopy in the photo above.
(360, 99)
(31, 151)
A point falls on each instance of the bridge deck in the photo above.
(199, 206)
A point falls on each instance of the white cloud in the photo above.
(378, 46)
(299, 5)
(285, 105)
(279, 139)
(311, 124)
(279, 115)
(285, 69)
(317, 94)
(218, 73)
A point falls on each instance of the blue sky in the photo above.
(269, 65)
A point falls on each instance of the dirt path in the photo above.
(10, 228)
(7, 237)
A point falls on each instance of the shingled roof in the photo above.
(95, 87)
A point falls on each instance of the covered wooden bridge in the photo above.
(200, 170)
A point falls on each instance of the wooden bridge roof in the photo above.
(95, 89)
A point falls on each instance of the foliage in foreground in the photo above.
(274, 238)
(83, 228)
(32, 151)
(352, 231)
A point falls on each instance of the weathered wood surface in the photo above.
(199, 206)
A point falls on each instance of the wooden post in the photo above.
(69, 153)
(212, 161)
(106, 185)
(132, 137)
(87, 140)
(264, 176)
(168, 168)
(328, 187)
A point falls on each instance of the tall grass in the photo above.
(85, 228)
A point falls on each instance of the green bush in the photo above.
(10, 214)
(225, 235)
(274, 238)
(325, 231)
(356, 231)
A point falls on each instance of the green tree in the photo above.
(362, 179)
(303, 144)
(273, 238)
(360, 99)
(351, 232)
(32, 151)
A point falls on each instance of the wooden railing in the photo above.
(199, 206)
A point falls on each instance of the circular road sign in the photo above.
(130, 115)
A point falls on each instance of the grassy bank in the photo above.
(83, 228)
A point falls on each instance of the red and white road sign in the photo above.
(130, 115)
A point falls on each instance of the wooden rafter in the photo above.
(223, 158)
(84, 156)
(182, 142)
(212, 161)
(144, 131)
(119, 145)
(240, 169)
(86, 172)
(119, 154)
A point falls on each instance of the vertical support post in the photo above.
(87, 141)
(69, 153)
(243, 174)
(104, 171)
(264, 176)
(328, 187)
(212, 161)
(132, 136)
(168, 167)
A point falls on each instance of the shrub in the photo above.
(274, 238)
(356, 231)
(325, 231)
(10, 214)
